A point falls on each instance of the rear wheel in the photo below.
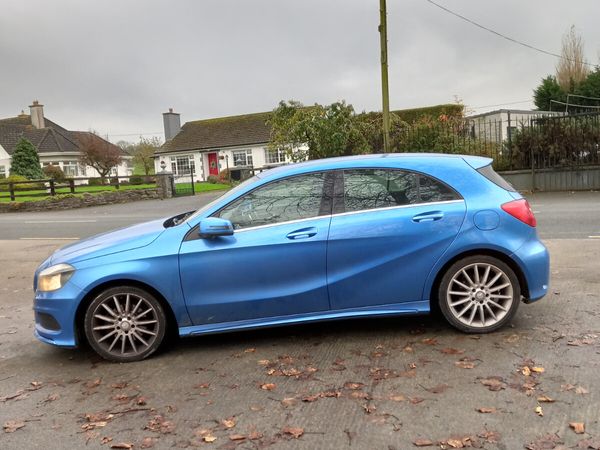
(479, 294)
(125, 324)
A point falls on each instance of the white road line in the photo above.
(61, 221)
(50, 239)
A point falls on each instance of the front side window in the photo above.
(2, 171)
(70, 168)
(366, 189)
(276, 156)
(242, 158)
(294, 198)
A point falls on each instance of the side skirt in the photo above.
(397, 309)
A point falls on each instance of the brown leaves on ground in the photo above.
(293, 432)
(451, 351)
(593, 444)
(467, 441)
(96, 420)
(577, 389)
(159, 424)
(122, 445)
(13, 425)
(286, 366)
(577, 427)
(545, 399)
(423, 443)
(466, 363)
(440, 388)
(229, 422)
(494, 383)
(549, 441)
(268, 386)
(486, 410)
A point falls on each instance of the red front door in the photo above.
(213, 164)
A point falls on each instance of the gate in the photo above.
(183, 184)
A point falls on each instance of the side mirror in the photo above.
(212, 227)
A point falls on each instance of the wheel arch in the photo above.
(172, 325)
(479, 251)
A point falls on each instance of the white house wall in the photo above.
(4, 162)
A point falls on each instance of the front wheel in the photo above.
(125, 324)
(479, 294)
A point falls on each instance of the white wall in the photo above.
(4, 162)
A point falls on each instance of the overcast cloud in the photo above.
(116, 65)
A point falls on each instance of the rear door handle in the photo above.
(429, 216)
(302, 233)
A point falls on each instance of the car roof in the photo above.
(377, 160)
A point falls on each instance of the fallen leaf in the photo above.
(539, 411)
(491, 437)
(538, 369)
(106, 440)
(416, 400)
(268, 386)
(486, 410)
(452, 351)
(526, 371)
(465, 364)
(398, 398)
(209, 438)
(429, 341)
(311, 398)
(51, 398)
(122, 445)
(352, 385)
(228, 423)
(545, 399)
(455, 443)
(548, 441)
(423, 443)
(294, 432)
(594, 444)
(264, 362)
(93, 383)
(141, 401)
(13, 425)
(578, 427)
(237, 437)
(255, 435)
(250, 350)
(581, 390)
(35, 385)
(494, 383)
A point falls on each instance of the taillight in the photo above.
(521, 210)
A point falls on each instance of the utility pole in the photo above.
(384, 76)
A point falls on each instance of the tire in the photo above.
(479, 294)
(125, 324)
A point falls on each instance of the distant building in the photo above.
(212, 145)
(497, 126)
(55, 144)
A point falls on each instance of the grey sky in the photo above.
(116, 65)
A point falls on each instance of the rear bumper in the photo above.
(534, 260)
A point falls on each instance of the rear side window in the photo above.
(490, 174)
(366, 189)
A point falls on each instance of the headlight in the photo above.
(54, 277)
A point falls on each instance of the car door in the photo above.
(275, 262)
(390, 228)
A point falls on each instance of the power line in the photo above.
(574, 104)
(503, 36)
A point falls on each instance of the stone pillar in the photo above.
(165, 183)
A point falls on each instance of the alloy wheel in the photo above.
(480, 295)
(125, 325)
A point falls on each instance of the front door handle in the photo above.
(302, 233)
(429, 216)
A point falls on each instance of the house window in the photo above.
(242, 158)
(2, 171)
(183, 165)
(274, 156)
(70, 168)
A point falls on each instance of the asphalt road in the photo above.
(560, 215)
(363, 384)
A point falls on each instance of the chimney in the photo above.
(172, 124)
(37, 115)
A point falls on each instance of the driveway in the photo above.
(364, 384)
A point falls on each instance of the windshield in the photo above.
(230, 193)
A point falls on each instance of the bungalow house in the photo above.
(209, 146)
(55, 144)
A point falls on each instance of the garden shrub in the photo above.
(54, 172)
(213, 179)
(136, 180)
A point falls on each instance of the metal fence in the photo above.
(540, 142)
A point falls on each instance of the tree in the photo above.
(549, 90)
(590, 87)
(25, 161)
(572, 68)
(317, 131)
(143, 153)
(98, 153)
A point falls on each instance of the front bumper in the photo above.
(534, 260)
(55, 314)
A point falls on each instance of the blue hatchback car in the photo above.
(365, 236)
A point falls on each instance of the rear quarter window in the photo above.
(490, 174)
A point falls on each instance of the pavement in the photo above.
(363, 384)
